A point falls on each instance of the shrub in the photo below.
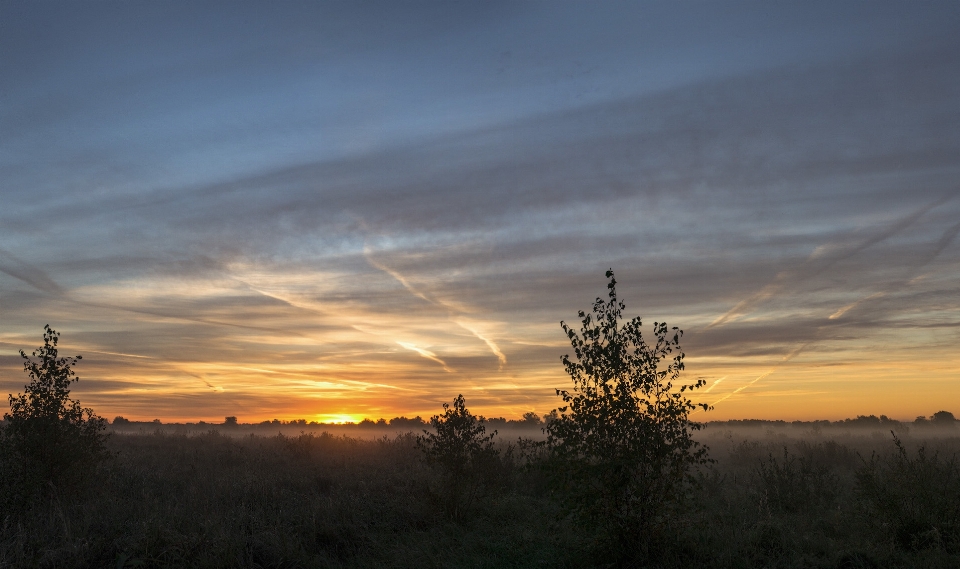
(796, 484)
(50, 441)
(461, 451)
(622, 442)
(914, 501)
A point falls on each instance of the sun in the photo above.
(338, 419)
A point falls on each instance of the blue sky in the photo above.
(363, 209)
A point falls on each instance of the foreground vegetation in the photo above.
(770, 500)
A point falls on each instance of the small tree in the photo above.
(55, 443)
(460, 449)
(622, 441)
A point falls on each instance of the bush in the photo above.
(622, 443)
(796, 484)
(461, 451)
(50, 442)
(914, 501)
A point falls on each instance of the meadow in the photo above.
(777, 495)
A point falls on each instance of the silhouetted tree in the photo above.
(230, 422)
(622, 442)
(54, 442)
(405, 423)
(496, 421)
(531, 418)
(938, 419)
(459, 448)
(943, 418)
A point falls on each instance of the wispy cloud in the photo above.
(764, 375)
(280, 241)
(368, 255)
(839, 313)
(828, 255)
(425, 353)
(452, 312)
(471, 327)
(922, 261)
(20, 269)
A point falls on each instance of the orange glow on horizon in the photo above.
(336, 361)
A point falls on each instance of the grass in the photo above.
(773, 499)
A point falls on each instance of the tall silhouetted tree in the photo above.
(52, 441)
(622, 441)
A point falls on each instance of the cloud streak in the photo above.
(827, 256)
(471, 327)
(274, 207)
(425, 353)
(764, 375)
(23, 271)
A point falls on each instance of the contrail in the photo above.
(368, 255)
(215, 388)
(785, 359)
(490, 344)
(277, 297)
(118, 354)
(853, 305)
(21, 270)
(15, 267)
(427, 354)
(207, 321)
(945, 240)
(890, 231)
(714, 384)
(748, 303)
(806, 271)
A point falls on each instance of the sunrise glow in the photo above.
(336, 213)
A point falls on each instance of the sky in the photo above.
(333, 211)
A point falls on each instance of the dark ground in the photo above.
(778, 496)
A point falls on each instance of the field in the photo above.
(778, 495)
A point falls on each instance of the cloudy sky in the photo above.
(344, 210)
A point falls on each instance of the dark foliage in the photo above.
(796, 483)
(319, 500)
(51, 445)
(461, 451)
(622, 443)
(310, 501)
(914, 502)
